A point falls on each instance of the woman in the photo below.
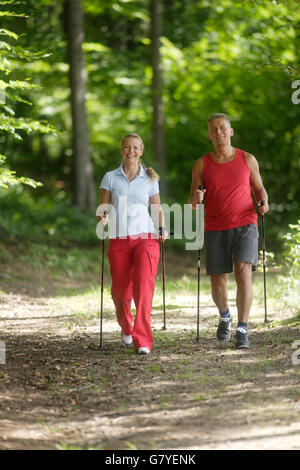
(133, 251)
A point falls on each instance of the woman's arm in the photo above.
(157, 213)
(104, 203)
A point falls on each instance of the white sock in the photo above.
(225, 316)
(242, 330)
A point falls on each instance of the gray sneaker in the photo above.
(223, 331)
(242, 341)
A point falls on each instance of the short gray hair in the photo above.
(218, 116)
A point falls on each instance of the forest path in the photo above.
(58, 390)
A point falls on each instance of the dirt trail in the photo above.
(59, 391)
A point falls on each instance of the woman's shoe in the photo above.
(143, 351)
(127, 339)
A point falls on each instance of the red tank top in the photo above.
(228, 201)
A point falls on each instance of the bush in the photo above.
(292, 253)
(43, 219)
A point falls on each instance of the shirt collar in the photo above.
(141, 174)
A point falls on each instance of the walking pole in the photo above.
(102, 271)
(264, 260)
(198, 297)
(200, 208)
(163, 276)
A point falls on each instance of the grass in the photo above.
(83, 263)
(73, 262)
(66, 446)
(164, 401)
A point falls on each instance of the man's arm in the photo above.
(259, 192)
(196, 196)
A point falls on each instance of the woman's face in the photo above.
(131, 150)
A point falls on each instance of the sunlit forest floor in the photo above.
(59, 390)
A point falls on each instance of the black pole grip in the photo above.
(160, 229)
(200, 189)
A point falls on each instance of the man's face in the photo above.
(220, 132)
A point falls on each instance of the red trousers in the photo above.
(133, 267)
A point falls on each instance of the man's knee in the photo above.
(243, 272)
(218, 284)
(218, 280)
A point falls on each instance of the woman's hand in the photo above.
(103, 218)
(163, 234)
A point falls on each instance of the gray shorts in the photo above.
(225, 247)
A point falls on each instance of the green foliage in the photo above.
(237, 57)
(74, 263)
(10, 95)
(25, 217)
(239, 67)
(292, 253)
(9, 178)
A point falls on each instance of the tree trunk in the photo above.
(83, 170)
(157, 91)
(3, 233)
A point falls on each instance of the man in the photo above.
(227, 176)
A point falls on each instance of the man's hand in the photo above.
(263, 207)
(199, 196)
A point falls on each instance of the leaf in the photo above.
(9, 13)
(6, 32)
(130, 445)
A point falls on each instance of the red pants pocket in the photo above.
(153, 254)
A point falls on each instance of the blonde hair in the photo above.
(150, 172)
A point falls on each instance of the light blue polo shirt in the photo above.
(129, 214)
